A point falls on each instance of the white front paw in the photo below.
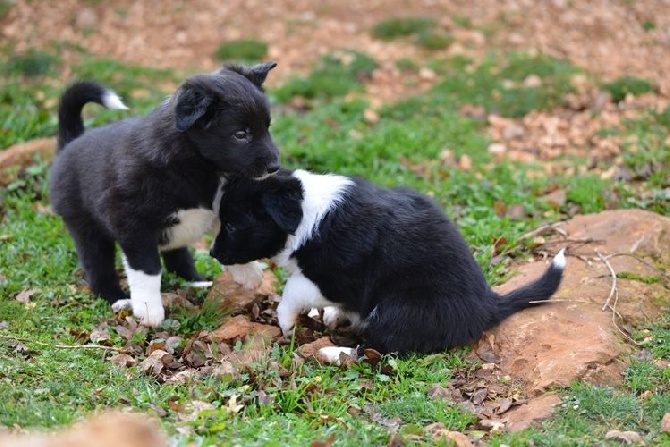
(331, 317)
(150, 313)
(249, 275)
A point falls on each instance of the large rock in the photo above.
(572, 338)
(16, 157)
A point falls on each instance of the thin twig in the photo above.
(59, 346)
(560, 301)
(613, 289)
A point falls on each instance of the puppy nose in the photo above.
(273, 168)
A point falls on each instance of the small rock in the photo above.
(535, 410)
(465, 162)
(665, 423)
(87, 19)
(371, 116)
(497, 148)
(532, 81)
(426, 74)
(513, 131)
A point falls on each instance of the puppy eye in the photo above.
(241, 135)
(230, 228)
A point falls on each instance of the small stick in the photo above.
(59, 346)
(613, 289)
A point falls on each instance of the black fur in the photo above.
(123, 182)
(390, 255)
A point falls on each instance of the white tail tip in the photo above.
(112, 101)
(559, 260)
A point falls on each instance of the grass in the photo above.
(393, 29)
(50, 386)
(424, 32)
(628, 85)
(336, 75)
(241, 50)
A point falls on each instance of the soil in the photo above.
(608, 38)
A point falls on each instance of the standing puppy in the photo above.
(152, 184)
(387, 260)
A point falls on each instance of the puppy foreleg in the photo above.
(300, 295)
(144, 281)
(250, 275)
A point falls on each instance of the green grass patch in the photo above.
(29, 110)
(241, 50)
(336, 75)
(31, 63)
(498, 86)
(434, 39)
(395, 28)
(5, 7)
(628, 85)
(423, 31)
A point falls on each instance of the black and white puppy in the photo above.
(152, 184)
(387, 260)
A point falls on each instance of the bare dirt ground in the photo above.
(607, 37)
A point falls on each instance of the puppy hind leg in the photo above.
(143, 270)
(180, 262)
(96, 253)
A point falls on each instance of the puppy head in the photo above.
(227, 118)
(257, 217)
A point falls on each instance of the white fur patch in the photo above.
(250, 275)
(322, 193)
(559, 260)
(145, 296)
(334, 317)
(300, 295)
(331, 354)
(202, 284)
(112, 101)
(193, 224)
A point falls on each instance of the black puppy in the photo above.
(388, 260)
(149, 183)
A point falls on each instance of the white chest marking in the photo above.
(193, 224)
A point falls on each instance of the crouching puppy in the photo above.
(387, 260)
(152, 184)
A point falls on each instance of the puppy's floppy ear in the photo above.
(284, 204)
(192, 104)
(255, 74)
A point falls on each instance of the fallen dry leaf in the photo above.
(665, 423)
(629, 436)
(24, 295)
(123, 360)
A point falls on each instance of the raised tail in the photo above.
(70, 123)
(539, 290)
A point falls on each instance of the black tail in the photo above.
(539, 290)
(70, 123)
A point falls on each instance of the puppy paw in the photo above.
(149, 312)
(331, 354)
(121, 305)
(333, 317)
(202, 284)
(249, 275)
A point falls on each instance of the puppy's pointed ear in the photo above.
(284, 204)
(192, 104)
(258, 73)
